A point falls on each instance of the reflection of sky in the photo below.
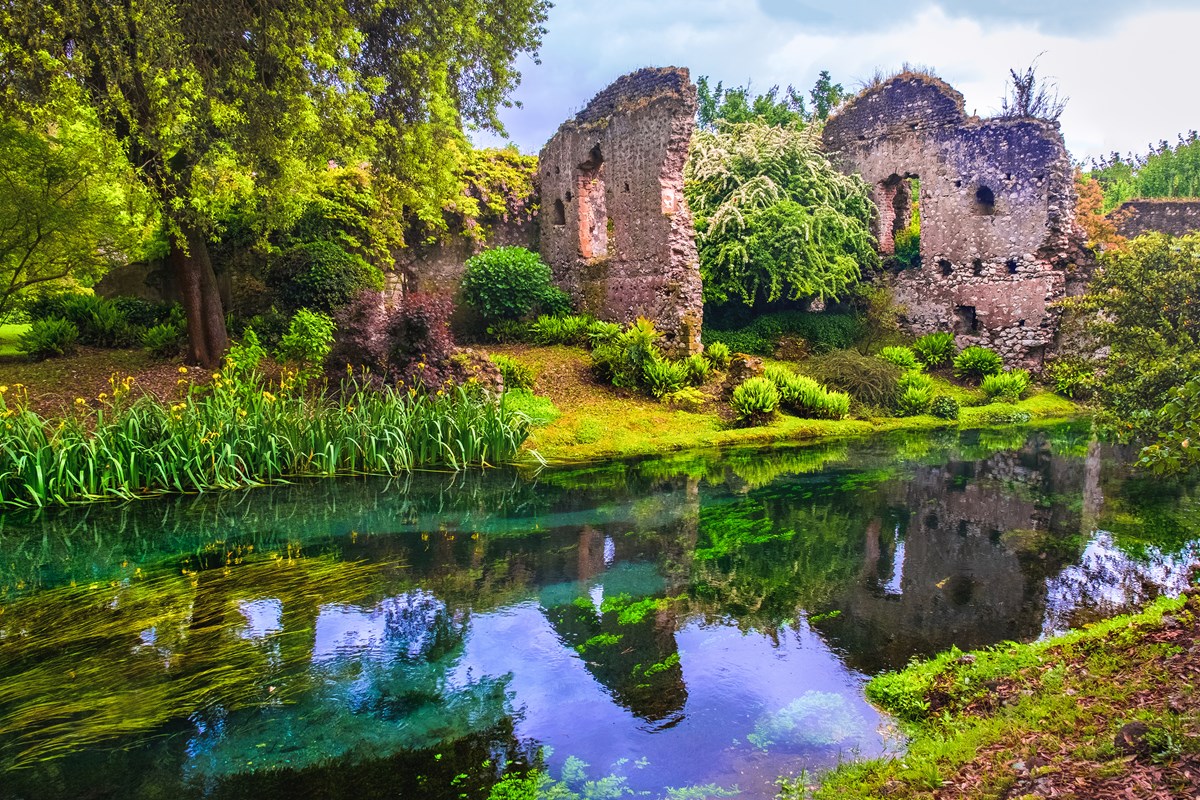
(1108, 580)
(733, 680)
(263, 618)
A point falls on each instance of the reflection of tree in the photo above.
(634, 656)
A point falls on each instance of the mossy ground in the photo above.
(1112, 710)
(599, 422)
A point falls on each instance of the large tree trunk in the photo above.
(197, 283)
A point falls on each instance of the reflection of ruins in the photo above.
(958, 556)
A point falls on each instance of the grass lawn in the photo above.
(9, 334)
(598, 422)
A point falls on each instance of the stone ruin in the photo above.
(996, 202)
(614, 226)
(1167, 215)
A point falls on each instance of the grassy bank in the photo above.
(1109, 711)
(597, 422)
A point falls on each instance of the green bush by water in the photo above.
(804, 397)
(976, 363)
(1006, 386)
(869, 380)
(755, 401)
(944, 407)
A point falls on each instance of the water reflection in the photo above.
(698, 620)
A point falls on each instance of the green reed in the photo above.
(239, 431)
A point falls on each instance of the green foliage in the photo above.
(1142, 306)
(516, 374)
(804, 397)
(822, 331)
(322, 276)
(1013, 417)
(47, 338)
(914, 400)
(935, 349)
(698, 369)
(600, 332)
(915, 379)
(241, 431)
(944, 407)
(976, 363)
(67, 212)
(869, 380)
(1165, 171)
(662, 377)
(814, 719)
(307, 343)
(720, 105)
(348, 209)
(773, 218)
(717, 354)
(755, 401)
(902, 357)
(220, 105)
(1006, 386)
(907, 252)
(1178, 422)
(164, 340)
(507, 283)
(499, 188)
(571, 329)
(1072, 377)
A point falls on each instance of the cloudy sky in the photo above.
(1127, 67)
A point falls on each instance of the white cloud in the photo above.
(1129, 84)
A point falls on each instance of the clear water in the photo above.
(705, 621)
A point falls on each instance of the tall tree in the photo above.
(214, 99)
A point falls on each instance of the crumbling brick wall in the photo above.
(1166, 215)
(996, 204)
(614, 226)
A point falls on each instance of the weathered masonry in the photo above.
(996, 206)
(1167, 215)
(613, 224)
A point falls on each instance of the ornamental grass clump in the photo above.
(976, 363)
(935, 349)
(1006, 386)
(805, 397)
(717, 354)
(569, 329)
(664, 377)
(516, 374)
(240, 430)
(902, 357)
(755, 401)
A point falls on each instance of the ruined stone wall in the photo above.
(996, 202)
(438, 268)
(1167, 215)
(614, 226)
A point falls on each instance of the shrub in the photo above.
(47, 338)
(321, 276)
(755, 401)
(663, 377)
(867, 379)
(698, 369)
(508, 330)
(944, 407)
(571, 329)
(270, 326)
(508, 283)
(99, 322)
(805, 397)
(307, 343)
(836, 405)
(1006, 386)
(914, 379)
(935, 349)
(141, 313)
(164, 340)
(717, 354)
(914, 400)
(976, 363)
(902, 357)
(1013, 417)
(822, 331)
(515, 373)
(599, 332)
(1072, 377)
(46, 305)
